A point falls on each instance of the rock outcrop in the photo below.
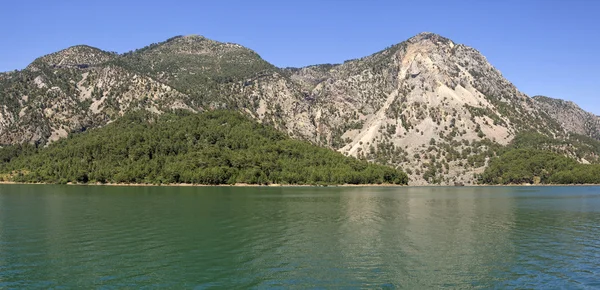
(570, 116)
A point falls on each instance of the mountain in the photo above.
(225, 75)
(72, 90)
(570, 116)
(429, 105)
(79, 56)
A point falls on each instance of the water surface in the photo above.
(358, 237)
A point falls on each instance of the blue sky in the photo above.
(547, 47)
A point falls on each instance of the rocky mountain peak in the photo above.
(411, 98)
(194, 45)
(431, 37)
(557, 102)
(193, 36)
(190, 62)
(75, 56)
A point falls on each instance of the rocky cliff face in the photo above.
(428, 105)
(570, 116)
(435, 108)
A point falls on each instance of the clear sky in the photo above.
(547, 47)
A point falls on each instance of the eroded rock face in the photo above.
(431, 106)
(426, 104)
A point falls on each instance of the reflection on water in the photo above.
(427, 236)
(358, 237)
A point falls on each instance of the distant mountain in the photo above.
(429, 105)
(79, 56)
(570, 116)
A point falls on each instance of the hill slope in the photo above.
(427, 104)
(217, 147)
(532, 166)
(570, 116)
(225, 75)
(73, 90)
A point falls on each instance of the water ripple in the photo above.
(385, 238)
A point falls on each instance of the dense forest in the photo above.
(524, 162)
(216, 147)
(225, 147)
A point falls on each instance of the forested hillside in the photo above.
(537, 159)
(217, 147)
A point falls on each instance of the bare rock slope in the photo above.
(429, 105)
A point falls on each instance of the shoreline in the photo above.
(293, 185)
(205, 185)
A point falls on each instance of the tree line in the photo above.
(535, 166)
(215, 147)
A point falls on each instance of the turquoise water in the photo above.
(357, 237)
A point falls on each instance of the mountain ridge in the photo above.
(571, 116)
(73, 56)
(427, 103)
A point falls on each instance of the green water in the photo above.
(364, 237)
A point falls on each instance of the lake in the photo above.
(54, 236)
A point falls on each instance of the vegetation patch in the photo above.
(216, 147)
(534, 166)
